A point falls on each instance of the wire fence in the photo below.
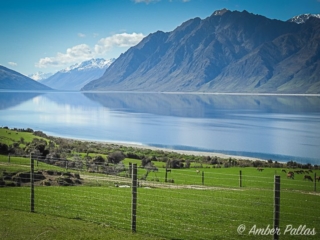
(193, 203)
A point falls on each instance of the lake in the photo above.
(281, 128)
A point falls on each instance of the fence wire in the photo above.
(176, 204)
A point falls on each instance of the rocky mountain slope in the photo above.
(229, 51)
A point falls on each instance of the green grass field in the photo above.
(9, 136)
(169, 213)
(17, 224)
(172, 211)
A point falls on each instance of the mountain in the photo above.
(39, 76)
(78, 75)
(12, 80)
(229, 51)
(303, 18)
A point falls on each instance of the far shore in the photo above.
(185, 152)
(174, 92)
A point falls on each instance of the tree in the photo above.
(145, 161)
(174, 163)
(115, 157)
(188, 163)
(150, 167)
(98, 160)
(4, 149)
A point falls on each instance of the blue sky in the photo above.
(49, 35)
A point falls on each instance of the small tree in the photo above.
(116, 157)
(98, 160)
(188, 163)
(145, 162)
(4, 149)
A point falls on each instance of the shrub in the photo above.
(116, 157)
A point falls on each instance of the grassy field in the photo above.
(17, 224)
(9, 136)
(170, 213)
(174, 211)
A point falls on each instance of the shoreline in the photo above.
(194, 152)
(185, 152)
(174, 92)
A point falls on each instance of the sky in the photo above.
(50, 35)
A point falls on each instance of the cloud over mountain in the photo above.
(84, 52)
(119, 40)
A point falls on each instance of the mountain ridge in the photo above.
(12, 80)
(302, 18)
(225, 52)
(76, 76)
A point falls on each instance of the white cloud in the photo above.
(82, 35)
(13, 64)
(74, 54)
(83, 52)
(118, 40)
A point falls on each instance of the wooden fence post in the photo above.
(32, 183)
(276, 213)
(130, 169)
(134, 199)
(166, 175)
(315, 182)
(240, 178)
(202, 177)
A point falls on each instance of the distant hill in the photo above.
(78, 75)
(229, 51)
(12, 80)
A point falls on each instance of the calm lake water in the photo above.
(280, 128)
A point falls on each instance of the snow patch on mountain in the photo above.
(303, 18)
(98, 63)
(78, 75)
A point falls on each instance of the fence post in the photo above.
(315, 182)
(134, 198)
(32, 183)
(130, 169)
(240, 178)
(276, 213)
(166, 175)
(202, 177)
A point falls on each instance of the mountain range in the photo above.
(12, 80)
(77, 75)
(229, 51)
